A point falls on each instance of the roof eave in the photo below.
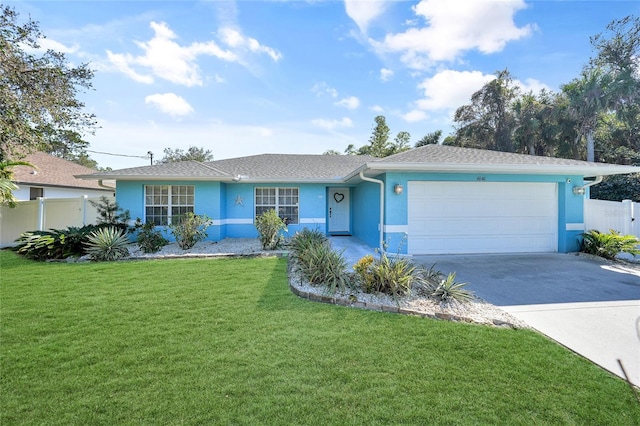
(155, 177)
(546, 169)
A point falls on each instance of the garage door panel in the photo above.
(482, 217)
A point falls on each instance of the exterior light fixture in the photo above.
(579, 190)
(397, 189)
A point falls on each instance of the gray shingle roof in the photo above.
(344, 168)
(441, 158)
(443, 154)
(292, 166)
(182, 169)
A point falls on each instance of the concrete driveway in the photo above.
(590, 306)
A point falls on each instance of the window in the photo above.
(34, 193)
(162, 202)
(282, 200)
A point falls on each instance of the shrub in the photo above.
(54, 243)
(149, 239)
(449, 290)
(108, 244)
(305, 239)
(394, 276)
(270, 226)
(609, 245)
(109, 212)
(189, 229)
(364, 273)
(320, 265)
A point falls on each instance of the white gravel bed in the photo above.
(478, 311)
(226, 247)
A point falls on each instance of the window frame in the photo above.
(33, 189)
(281, 194)
(176, 201)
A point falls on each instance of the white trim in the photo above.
(313, 220)
(396, 228)
(219, 222)
(574, 227)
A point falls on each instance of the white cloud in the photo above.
(164, 58)
(47, 43)
(169, 103)
(332, 124)
(449, 89)
(376, 108)
(349, 103)
(386, 74)
(233, 38)
(531, 85)
(363, 12)
(324, 89)
(454, 27)
(415, 115)
(121, 63)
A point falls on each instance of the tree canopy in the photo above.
(192, 153)
(379, 143)
(39, 106)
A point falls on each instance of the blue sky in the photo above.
(251, 77)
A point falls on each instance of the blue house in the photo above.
(429, 200)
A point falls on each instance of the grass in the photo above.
(224, 342)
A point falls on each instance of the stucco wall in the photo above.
(365, 207)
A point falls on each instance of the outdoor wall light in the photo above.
(397, 189)
(578, 190)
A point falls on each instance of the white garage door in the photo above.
(482, 217)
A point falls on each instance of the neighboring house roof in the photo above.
(182, 170)
(54, 171)
(345, 168)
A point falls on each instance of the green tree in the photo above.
(432, 138)
(379, 143)
(589, 96)
(38, 92)
(488, 121)
(193, 153)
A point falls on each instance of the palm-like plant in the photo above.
(6, 177)
(589, 96)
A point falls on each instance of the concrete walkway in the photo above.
(590, 306)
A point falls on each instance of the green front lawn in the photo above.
(223, 341)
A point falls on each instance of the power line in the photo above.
(119, 155)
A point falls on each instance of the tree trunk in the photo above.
(590, 147)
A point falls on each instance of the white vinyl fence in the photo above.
(623, 217)
(43, 214)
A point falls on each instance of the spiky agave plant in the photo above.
(108, 244)
(450, 290)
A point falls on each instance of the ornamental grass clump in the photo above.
(394, 276)
(318, 263)
(609, 245)
(305, 239)
(107, 244)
